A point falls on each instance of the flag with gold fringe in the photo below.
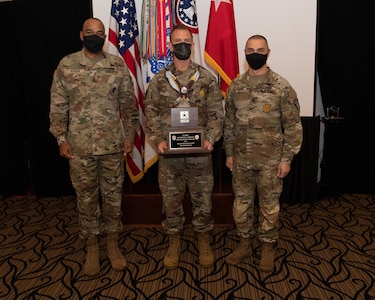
(123, 41)
(221, 42)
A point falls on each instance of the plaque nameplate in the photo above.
(186, 140)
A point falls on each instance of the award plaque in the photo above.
(185, 136)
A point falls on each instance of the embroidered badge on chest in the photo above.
(202, 93)
(266, 108)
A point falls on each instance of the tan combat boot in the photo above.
(115, 256)
(267, 260)
(206, 257)
(92, 263)
(173, 254)
(242, 251)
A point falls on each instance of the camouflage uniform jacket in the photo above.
(205, 94)
(92, 105)
(262, 120)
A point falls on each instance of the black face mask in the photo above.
(93, 43)
(256, 60)
(182, 51)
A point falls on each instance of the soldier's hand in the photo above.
(66, 151)
(283, 169)
(128, 147)
(162, 147)
(229, 162)
(207, 145)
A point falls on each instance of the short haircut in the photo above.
(181, 27)
(258, 36)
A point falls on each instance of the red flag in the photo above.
(221, 42)
(123, 41)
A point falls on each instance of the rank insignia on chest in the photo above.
(202, 93)
(266, 108)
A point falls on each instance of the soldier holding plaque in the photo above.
(184, 114)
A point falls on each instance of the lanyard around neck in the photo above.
(183, 90)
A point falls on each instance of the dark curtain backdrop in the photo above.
(37, 34)
(345, 63)
(300, 185)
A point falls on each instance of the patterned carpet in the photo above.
(326, 251)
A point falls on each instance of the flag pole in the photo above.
(220, 152)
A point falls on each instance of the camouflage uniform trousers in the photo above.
(92, 177)
(269, 187)
(195, 172)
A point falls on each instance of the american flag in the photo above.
(123, 41)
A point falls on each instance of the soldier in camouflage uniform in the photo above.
(262, 133)
(93, 118)
(178, 171)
